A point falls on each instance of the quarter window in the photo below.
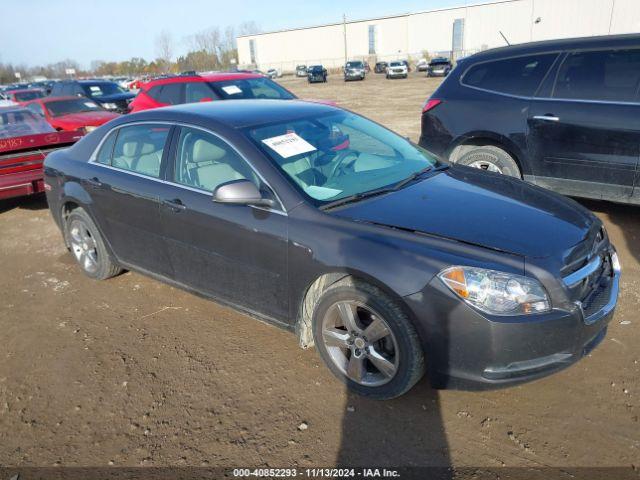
(106, 150)
(600, 75)
(514, 76)
(139, 148)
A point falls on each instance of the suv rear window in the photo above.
(600, 75)
(514, 76)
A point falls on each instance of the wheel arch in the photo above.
(483, 138)
(314, 290)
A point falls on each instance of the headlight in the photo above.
(109, 106)
(497, 293)
(89, 128)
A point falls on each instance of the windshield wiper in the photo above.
(355, 198)
(418, 174)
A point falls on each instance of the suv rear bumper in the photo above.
(469, 350)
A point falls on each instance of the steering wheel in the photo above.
(340, 160)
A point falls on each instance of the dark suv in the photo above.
(109, 95)
(562, 114)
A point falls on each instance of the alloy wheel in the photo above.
(360, 343)
(83, 245)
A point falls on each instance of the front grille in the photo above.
(589, 275)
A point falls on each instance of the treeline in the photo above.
(210, 49)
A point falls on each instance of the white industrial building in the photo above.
(455, 32)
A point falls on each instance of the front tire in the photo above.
(367, 340)
(492, 159)
(88, 247)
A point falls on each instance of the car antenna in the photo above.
(505, 38)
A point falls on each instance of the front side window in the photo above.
(247, 88)
(139, 148)
(198, 92)
(514, 76)
(600, 75)
(36, 108)
(205, 162)
(339, 154)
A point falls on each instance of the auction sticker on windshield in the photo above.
(231, 90)
(289, 145)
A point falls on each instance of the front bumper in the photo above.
(354, 76)
(398, 73)
(467, 349)
(21, 184)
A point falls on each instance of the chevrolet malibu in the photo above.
(389, 261)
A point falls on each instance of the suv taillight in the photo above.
(430, 104)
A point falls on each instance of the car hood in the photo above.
(84, 119)
(485, 209)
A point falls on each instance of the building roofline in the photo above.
(385, 17)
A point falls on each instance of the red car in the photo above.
(205, 88)
(71, 113)
(25, 140)
(23, 96)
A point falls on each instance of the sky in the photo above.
(115, 30)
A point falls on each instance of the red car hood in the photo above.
(73, 121)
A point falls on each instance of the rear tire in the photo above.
(492, 159)
(88, 247)
(367, 340)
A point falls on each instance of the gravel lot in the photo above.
(132, 372)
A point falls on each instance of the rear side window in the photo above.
(600, 75)
(139, 148)
(171, 94)
(514, 76)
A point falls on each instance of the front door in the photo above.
(236, 253)
(585, 138)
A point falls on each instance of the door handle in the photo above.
(547, 118)
(174, 205)
(94, 182)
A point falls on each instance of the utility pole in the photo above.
(344, 31)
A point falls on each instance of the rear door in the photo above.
(584, 137)
(124, 185)
(236, 253)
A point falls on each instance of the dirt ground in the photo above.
(132, 372)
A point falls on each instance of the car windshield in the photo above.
(439, 61)
(19, 122)
(396, 64)
(355, 65)
(74, 105)
(316, 68)
(338, 155)
(246, 88)
(28, 95)
(97, 90)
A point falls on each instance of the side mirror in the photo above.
(240, 192)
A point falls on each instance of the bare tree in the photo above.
(248, 28)
(164, 47)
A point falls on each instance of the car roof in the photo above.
(209, 77)
(237, 113)
(603, 41)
